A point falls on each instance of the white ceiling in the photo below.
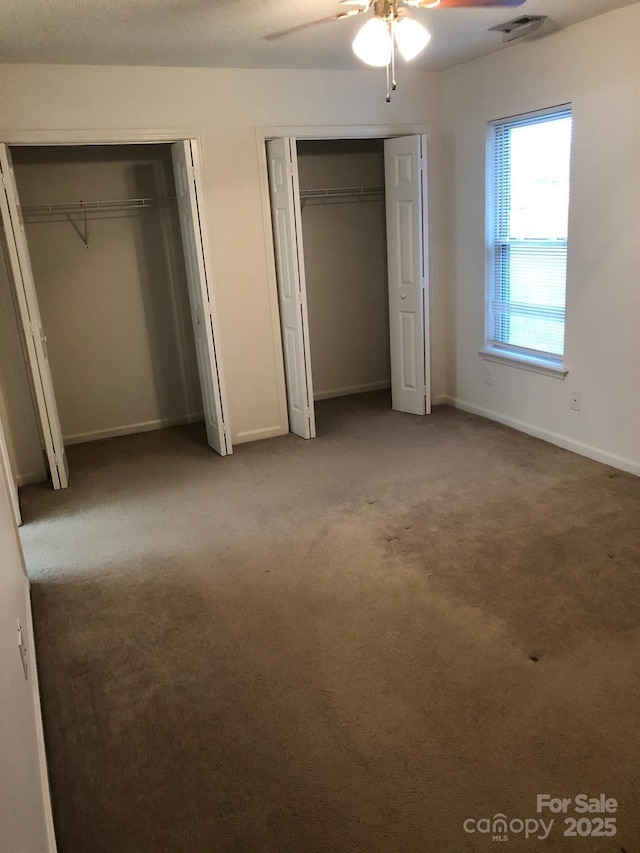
(230, 33)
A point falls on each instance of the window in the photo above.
(529, 164)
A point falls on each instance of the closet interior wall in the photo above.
(345, 253)
(114, 301)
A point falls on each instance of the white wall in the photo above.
(226, 106)
(346, 268)
(25, 811)
(595, 66)
(116, 313)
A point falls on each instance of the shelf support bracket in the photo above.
(84, 233)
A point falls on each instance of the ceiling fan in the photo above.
(390, 26)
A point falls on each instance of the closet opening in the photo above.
(108, 321)
(351, 257)
(344, 234)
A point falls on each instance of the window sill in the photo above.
(525, 362)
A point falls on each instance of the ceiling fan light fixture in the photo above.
(372, 44)
(411, 37)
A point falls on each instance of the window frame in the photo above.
(535, 360)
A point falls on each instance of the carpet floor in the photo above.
(351, 644)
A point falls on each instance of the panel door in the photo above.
(13, 489)
(35, 339)
(186, 173)
(406, 266)
(25, 810)
(284, 193)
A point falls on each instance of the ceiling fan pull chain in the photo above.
(392, 35)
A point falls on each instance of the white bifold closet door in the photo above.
(203, 315)
(204, 321)
(286, 220)
(35, 340)
(13, 489)
(404, 191)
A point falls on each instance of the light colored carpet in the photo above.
(350, 644)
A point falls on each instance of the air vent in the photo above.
(520, 27)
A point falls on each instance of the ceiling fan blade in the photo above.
(464, 4)
(290, 30)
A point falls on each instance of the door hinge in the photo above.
(22, 648)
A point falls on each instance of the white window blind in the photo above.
(530, 171)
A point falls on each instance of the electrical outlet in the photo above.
(575, 401)
(488, 374)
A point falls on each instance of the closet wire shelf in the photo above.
(88, 206)
(338, 195)
(72, 209)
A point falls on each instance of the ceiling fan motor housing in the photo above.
(387, 9)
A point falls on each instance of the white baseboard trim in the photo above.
(129, 429)
(28, 479)
(441, 400)
(579, 447)
(353, 389)
(259, 434)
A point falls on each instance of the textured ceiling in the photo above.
(230, 33)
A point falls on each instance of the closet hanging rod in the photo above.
(341, 193)
(89, 206)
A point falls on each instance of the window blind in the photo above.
(528, 232)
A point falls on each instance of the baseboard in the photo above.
(29, 479)
(259, 434)
(352, 389)
(441, 400)
(129, 429)
(579, 447)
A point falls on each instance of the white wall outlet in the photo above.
(575, 401)
(488, 374)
